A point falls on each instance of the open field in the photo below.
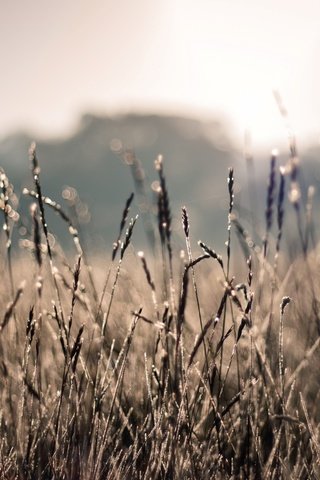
(167, 364)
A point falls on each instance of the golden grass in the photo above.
(160, 365)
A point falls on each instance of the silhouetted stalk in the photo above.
(310, 233)
(295, 192)
(270, 200)
(115, 248)
(164, 221)
(56, 207)
(228, 244)
(285, 301)
(124, 246)
(150, 283)
(36, 172)
(280, 217)
(4, 184)
(186, 228)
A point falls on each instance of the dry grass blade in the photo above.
(270, 200)
(235, 399)
(211, 253)
(115, 248)
(76, 276)
(280, 209)
(150, 282)
(10, 216)
(186, 227)
(164, 212)
(127, 238)
(75, 351)
(312, 433)
(36, 235)
(11, 306)
(124, 218)
(246, 242)
(36, 173)
(185, 221)
(222, 340)
(231, 203)
(146, 271)
(31, 325)
(124, 245)
(212, 321)
(184, 287)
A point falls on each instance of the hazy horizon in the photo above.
(207, 59)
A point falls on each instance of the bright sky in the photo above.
(200, 57)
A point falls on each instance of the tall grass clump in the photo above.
(161, 364)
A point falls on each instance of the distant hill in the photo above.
(196, 160)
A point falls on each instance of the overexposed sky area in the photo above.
(196, 57)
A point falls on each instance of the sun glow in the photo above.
(206, 58)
